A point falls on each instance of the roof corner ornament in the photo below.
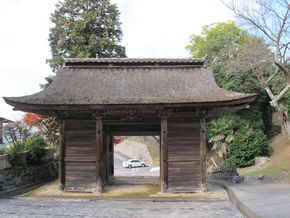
(164, 114)
(204, 63)
(64, 62)
(99, 114)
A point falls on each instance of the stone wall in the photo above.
(225, 172)
(135, 150)
(24, 175)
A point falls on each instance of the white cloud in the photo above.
(151, 29)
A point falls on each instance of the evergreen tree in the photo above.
(84, 29)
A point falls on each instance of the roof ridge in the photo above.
(134, 60)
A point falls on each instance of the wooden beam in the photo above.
(80, 159)
(39, 107)
(203, 152)
(62, 155)
(99, 139)
(133, 133)
(164, 161)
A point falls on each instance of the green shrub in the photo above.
(37, 151)
(247, 145)
(35, 142)
(16, 147)
(13, 153)
(13, 158)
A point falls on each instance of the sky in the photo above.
(151, 29)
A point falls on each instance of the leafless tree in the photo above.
(269, 19)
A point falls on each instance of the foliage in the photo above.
(14, 158)
(36, 148)
(84, 29)
(118, 139)
(48, 80)
(35, 142)
(15, 170)
(215, 41)
(220, 132)
(47, 125)
(222, 42)
(248, 144)
(16, 134)
(269, 61)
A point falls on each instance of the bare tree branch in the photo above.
(272, 76)
(271, 19)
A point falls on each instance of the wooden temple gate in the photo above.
(96, 99)
(87, 155)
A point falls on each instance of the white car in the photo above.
(133, 163)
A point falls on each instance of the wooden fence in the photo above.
(4, 158)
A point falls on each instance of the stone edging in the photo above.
(24, 189)
(238, 204)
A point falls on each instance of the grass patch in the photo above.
(278, 170)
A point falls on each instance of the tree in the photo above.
(17, 134)
(215, 41)
(221, 42)
(268, 19)
(247, 145)
(84, 29)
(47, 125)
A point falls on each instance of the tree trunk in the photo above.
(283, 112)
(285, 119)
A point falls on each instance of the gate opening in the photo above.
(136, 160)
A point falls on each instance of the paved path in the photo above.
(119, 170)
(263, 200)
(26, 207)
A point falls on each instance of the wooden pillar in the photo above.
(203, 152)
(99, 139)
(1, 129)
(111, 155)
(62, 155)
(107, 154)
(164, 162)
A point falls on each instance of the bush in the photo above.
(248, 144)
(14, 158)
(36, 148)
(13, 153)
(16, 135)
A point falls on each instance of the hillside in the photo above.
(278, 168)
(145, 148)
